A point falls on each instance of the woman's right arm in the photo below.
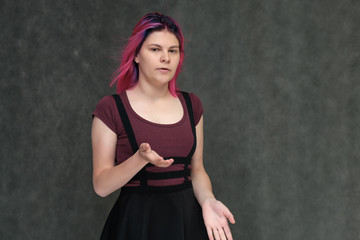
(108, 178)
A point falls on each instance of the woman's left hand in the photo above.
(215, 215)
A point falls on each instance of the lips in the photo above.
(164, 69)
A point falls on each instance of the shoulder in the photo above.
(197, 106)
(195, 99)
(106, 111)
(106, 101)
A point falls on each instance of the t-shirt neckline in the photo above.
(132, 112)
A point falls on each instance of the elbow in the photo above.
(199, 170)
(197, 174)
(100, 191)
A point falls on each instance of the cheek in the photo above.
(177, 61)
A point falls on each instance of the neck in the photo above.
(151, 92)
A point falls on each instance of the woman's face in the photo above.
(158, 58)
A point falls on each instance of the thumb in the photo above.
(229, 216)
(144, 147)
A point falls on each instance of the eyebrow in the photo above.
(157, 45)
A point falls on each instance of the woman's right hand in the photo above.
(146, 153)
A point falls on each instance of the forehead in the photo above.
(162, 38)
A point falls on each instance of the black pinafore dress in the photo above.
(156, 213)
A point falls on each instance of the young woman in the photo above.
(148, 140)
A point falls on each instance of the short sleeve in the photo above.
(106, 111)
(197, 107)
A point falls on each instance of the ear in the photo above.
(136, 59)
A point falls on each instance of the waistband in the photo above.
(156, 189)
(143, 175)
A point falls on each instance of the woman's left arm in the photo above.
(215, 213)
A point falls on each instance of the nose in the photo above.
(165, 57)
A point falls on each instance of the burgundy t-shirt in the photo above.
(168, 140)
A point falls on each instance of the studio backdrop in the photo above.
(279, 82)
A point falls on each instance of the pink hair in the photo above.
(126, 76)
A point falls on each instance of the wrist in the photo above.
(141, 159)
(208, 199)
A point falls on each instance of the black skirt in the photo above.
(143, 215)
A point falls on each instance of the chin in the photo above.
(164, 80)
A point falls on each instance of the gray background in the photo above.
(279, 81)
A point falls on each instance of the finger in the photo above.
(169, 161)
(157, 155)
(227, 232)
(210, 234)
(222, 234)
(165, 163)
(229, 216)
(216, 234)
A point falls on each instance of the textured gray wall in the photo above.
(279, 81)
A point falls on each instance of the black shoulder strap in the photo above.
(192, 120)
(126, 122)
(130, 132)
(190, 110)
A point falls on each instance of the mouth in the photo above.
(163, 69)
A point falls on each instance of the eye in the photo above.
(154, 49)
(173, 51)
